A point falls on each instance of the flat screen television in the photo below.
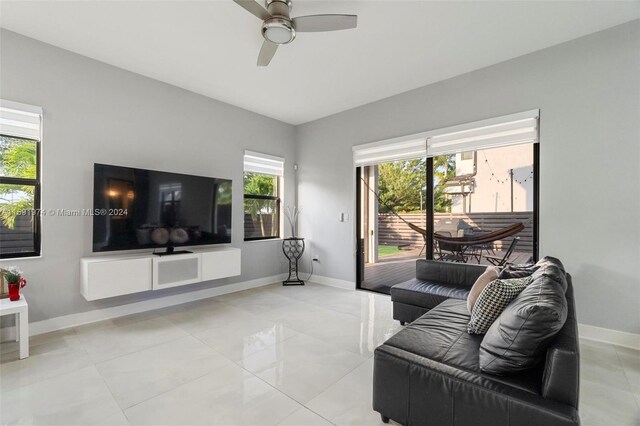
(147, 209)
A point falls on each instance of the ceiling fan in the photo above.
(278, 28)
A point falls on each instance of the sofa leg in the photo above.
(401, 322)
(384, 418)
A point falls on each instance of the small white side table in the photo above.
(20, 308)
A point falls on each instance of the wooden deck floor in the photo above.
(397, 269)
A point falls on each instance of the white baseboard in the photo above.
(590, 332)
(74, 320)
(333, 282)
(606, 335)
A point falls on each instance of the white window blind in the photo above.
(370, 154)
(493, 133)
(512, 129)
(255, 162)
(20, 120)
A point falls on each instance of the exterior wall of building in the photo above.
(492, 182)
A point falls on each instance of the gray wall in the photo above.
(588, 91)
(96, 113)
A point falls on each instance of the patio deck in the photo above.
(393, 270)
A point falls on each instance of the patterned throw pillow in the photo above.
(492, 301)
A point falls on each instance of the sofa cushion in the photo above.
(460, 274)
(441, 335)
(492, 301)
(517, 271)
(490, 274)
(427, 294)
(553, 269)
(518, 339)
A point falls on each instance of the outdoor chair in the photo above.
(446, 251)
(504, 260)
(476, 250)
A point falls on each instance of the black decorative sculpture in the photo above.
(293, 249)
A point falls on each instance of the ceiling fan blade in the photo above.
(254, 8)
(267, 51)
(315, 23)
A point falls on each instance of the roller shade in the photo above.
(255, 162)
(507, 130)
(511, 130)
(20, 120)
(370, 154)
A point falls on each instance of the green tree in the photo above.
(402, 184)
(256, 184)
(18, 160)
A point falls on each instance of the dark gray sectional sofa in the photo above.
(435, 282)
(429, 373)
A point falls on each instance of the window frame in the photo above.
(278, 202)
(37, 208)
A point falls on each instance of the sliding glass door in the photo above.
(466, 194)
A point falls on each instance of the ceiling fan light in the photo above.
(278, 35)
(278, 31)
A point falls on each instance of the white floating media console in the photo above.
(109, 276)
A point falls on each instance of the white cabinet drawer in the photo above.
(220, 264)
(115, 277)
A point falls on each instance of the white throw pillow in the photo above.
(490, 274)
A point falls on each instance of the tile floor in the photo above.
(273, 355)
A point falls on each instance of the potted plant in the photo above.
(292, 214)
(293, 247)
(13, 276)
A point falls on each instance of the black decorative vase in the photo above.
(293, 249)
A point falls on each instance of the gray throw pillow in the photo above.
(524, 270)
(519, 338)
(492, 301)
(490, 274)
(517, 271)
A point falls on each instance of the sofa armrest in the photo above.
(448, 272)
(561, 379)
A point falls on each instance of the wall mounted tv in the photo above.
(146, 209)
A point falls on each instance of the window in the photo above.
(466, 155)
(20, 129)
(262, 196)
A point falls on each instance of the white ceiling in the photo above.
(210, 47)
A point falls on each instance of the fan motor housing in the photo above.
(279, 8)
(281, 5)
